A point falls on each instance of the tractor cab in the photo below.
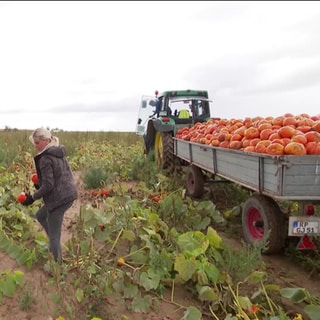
(161, 116)
(177, 109)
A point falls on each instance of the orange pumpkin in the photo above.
(261, 146)
(286, 131)
(21, 197)
(215, 142)
(275, 149)
(249, 149)
(224, 144)
(245, 142)
(203, 140)
(313, 147)
(236, 137)
(222, 136)
(266, 133)
(253, 142)
(222, 122)
(278, 121)
(211, 128)
(269, 118)
(274, 136)
(288, 115)
(289, 121)
(305, 122)
(235, 144)
(186, 137)
(312, 136)
(316, 126)
(303, 129)
(241, 131)
(281, 141)
(252, 133)
(301, 138)
(247, 122)
(295, 148)
(264, 125)
(285, 141)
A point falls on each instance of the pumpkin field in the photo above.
(136, 246)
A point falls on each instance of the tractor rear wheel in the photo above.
(263, 222)
(149, 141)
(163, 149)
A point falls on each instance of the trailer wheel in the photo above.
(263, 221)
(195, 182)
(163, 149)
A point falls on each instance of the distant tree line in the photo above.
(7, 128)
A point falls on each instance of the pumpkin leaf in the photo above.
(192, 313)
(295, 295)
(212, 272)
(312, 311)
(79, 295)
(256, 277)
(186, 268)
(149, 280)
(193, 242)
(213, 237)
(128, 235)
(141, 304)
(207, 294)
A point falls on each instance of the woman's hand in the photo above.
(28, 201)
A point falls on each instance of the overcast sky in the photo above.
(84, 65)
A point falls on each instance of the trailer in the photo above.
(271, 179)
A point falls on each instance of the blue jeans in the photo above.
(52, 223)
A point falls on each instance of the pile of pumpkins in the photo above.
(283, 135)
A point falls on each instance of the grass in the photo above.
(26, 298)
(96, 177)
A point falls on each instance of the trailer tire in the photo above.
(195, 182)
(164, 149)
(263, 222)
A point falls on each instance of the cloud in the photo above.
(107, 106)
(87, 63)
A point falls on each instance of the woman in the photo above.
(56, 186)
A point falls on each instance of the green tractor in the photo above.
(162, 115)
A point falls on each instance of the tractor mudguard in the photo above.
(164, 126)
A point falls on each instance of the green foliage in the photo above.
(9, 281)
(183, 212)
(145, 236)
(240, 261)
(95, 178)
(21, 254)
(143, 169)
(192, 313)
(309, 260)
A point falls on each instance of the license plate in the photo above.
(305, 227)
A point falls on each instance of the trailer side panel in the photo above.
(281, 177)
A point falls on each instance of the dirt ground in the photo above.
(280, 269)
